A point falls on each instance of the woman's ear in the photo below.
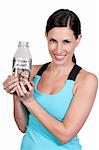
(78, 39)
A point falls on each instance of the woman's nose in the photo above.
(59, 48)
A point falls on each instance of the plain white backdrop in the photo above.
(26, 20)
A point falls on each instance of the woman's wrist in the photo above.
(26, 101)
(16, 98)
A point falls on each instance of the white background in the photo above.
(26, 20)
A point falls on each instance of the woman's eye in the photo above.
(66, 41)
(52, 40)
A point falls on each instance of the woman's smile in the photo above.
(61, 44)
(59, 57)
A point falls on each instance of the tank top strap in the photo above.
(43, 68)
(74, 72)
(72, 75)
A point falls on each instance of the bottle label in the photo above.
(21, 63)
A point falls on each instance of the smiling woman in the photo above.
(57, 105)
(61, 44)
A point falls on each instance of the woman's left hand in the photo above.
(24, 94)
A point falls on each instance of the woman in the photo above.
(61, 93)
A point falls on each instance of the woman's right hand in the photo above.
(10, 84)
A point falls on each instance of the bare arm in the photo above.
(77, 114)
(21, 113)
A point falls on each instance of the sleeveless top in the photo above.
(37, 137)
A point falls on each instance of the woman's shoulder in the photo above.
(86, 75)
(34, 70)
(87, 78)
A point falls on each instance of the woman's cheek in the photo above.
(52, 47)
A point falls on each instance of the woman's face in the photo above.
(61, 44)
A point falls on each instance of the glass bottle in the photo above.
(22, 62)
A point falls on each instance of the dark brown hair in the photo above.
(64, 18)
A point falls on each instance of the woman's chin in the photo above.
(59, 62)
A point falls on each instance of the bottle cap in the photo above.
(23, 44)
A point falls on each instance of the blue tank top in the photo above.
(37, 137)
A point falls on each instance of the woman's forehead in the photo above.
(64, 32)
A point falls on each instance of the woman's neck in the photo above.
(60, 69)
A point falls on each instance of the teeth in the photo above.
(59, 56)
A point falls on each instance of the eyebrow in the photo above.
(52, 39)
(68, 41)
(65, 40)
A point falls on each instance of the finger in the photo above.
(23, 88)
(10, 77)
(13, 90)
(30, 85)
(17, 92)
(6, 80)
(9, 83)
(13, 80)
(9, 88)
(20, 91)
(15, 74)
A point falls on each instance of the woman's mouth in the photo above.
(59, 57)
